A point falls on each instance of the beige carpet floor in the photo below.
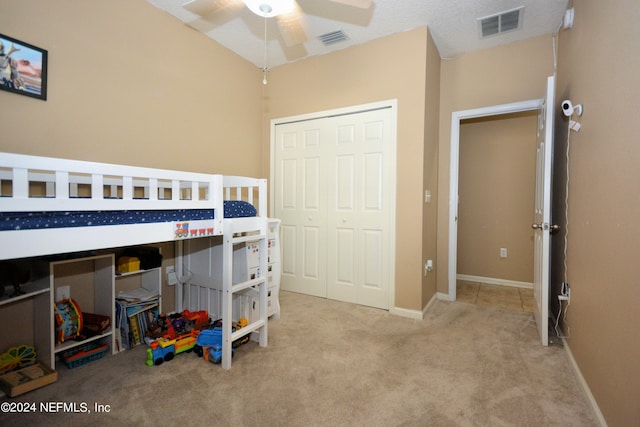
(335, 364)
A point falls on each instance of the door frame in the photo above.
(392, 104)
(456, 118)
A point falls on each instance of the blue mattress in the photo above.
(54, 219)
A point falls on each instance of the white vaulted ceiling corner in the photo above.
(453, 25)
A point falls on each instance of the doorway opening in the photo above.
(457, 118)
(497, 178)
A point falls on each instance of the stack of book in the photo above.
(136, 312)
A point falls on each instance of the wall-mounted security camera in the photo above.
(569, 109)
(567, 19)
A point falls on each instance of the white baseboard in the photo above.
(585, 387)
(413, 314)
(443, 296)
(405, 312)
(429, 304)
(494, 281)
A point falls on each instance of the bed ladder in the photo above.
(229, 289)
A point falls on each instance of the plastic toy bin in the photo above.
(84, 354)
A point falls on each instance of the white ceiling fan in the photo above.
(287, 13)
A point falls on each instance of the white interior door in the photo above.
(358, 212)
(301, 200)
(542, 213)
(334, 184)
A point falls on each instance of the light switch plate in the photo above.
(63, 292)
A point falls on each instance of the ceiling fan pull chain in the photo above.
(264, 69)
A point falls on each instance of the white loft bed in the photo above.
(156, 205)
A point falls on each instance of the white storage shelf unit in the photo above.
(150, 280)
(36, 297)
(91, 282)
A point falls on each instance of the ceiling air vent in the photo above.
(500, 22)
(333, 37)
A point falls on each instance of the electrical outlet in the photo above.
(503, 252)
(172, 277)
(63, 292)
(428, 266)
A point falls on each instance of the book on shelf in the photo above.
(137, 295)
(133, 319)
(135, 331)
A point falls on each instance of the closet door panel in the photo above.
(360, 176)
(344, 191)
(310, 256)
(288, 185)
(289, 249)
(310, 183)
(343, 235)
(342, 220)
(344, 254)
(300, 201)
(372, 256)
(377, 210)
(372, 183)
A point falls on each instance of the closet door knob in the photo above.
(344, 219)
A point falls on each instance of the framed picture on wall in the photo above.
(23, 68)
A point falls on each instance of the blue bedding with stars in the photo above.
(60, 219)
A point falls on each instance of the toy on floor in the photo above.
(200, 319)
(176, 324)
(174, 334)
(209, 342)
(213, 354)
(165, 349)
(17, 358)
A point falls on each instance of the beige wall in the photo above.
(430, 173)
(599, 65)
(496, 196)
(511, 73)
(130, 84)
(389, 68)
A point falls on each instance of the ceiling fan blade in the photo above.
(205, 7)
(291, 28)
(363, 4)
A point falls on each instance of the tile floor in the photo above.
(505, 297)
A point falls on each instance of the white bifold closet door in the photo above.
(333, 193)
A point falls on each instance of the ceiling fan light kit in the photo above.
(270, 8)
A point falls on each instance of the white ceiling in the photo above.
(453, 25)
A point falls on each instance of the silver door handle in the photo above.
(554, 227)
